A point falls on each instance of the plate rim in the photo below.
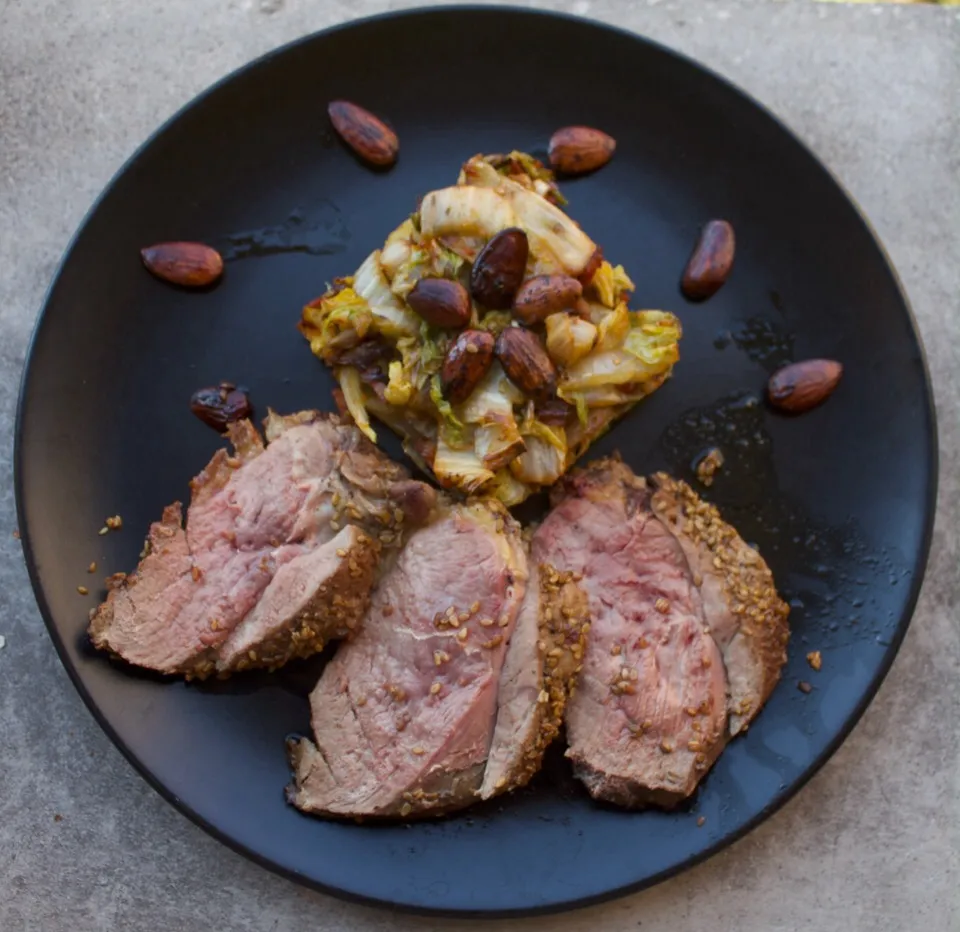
(778, 800)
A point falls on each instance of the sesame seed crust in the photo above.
(563, 625)
(755, 623)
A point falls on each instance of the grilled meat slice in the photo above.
(539, 676)
(686, 626)
(404, 714)
(318, 596)
(746, 617)
(650, 714)
(251, 515)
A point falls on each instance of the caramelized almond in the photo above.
(804, 385)
(499, 269)
(366, 134)
(468, 360)
(711, 262)
(526, 362)
(576, 150)
(190, 265)
(440, 302)
(543, 295)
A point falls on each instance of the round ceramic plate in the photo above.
(839, 501)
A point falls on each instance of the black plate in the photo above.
(840, 501)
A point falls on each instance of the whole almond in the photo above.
(526, 362)
(440, 302)
(190, 265)
(499, 269)
(710, 264)
(367, 135)
(804, 385)
(466, 363)
(576, 150)
(543, 295)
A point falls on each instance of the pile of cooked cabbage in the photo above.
(500, 440)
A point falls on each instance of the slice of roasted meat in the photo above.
(743, 612)
(250, 580)
(318, 596)
(404, 714)
(540, 673)
(650, 715)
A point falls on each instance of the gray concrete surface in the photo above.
(873, 843)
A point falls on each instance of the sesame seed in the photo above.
(504, 621)
(474, 608)
(419, 750)
(440, 657)
(486, 622)
(435, 688)
(815, 660)
(462, 634)
(103, 530)
(92, 568)
(701, 821)
(83, 590)
(341, 552)
(544, 697)
(666, 746)
(406, 809)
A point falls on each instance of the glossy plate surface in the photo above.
(840, 501)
